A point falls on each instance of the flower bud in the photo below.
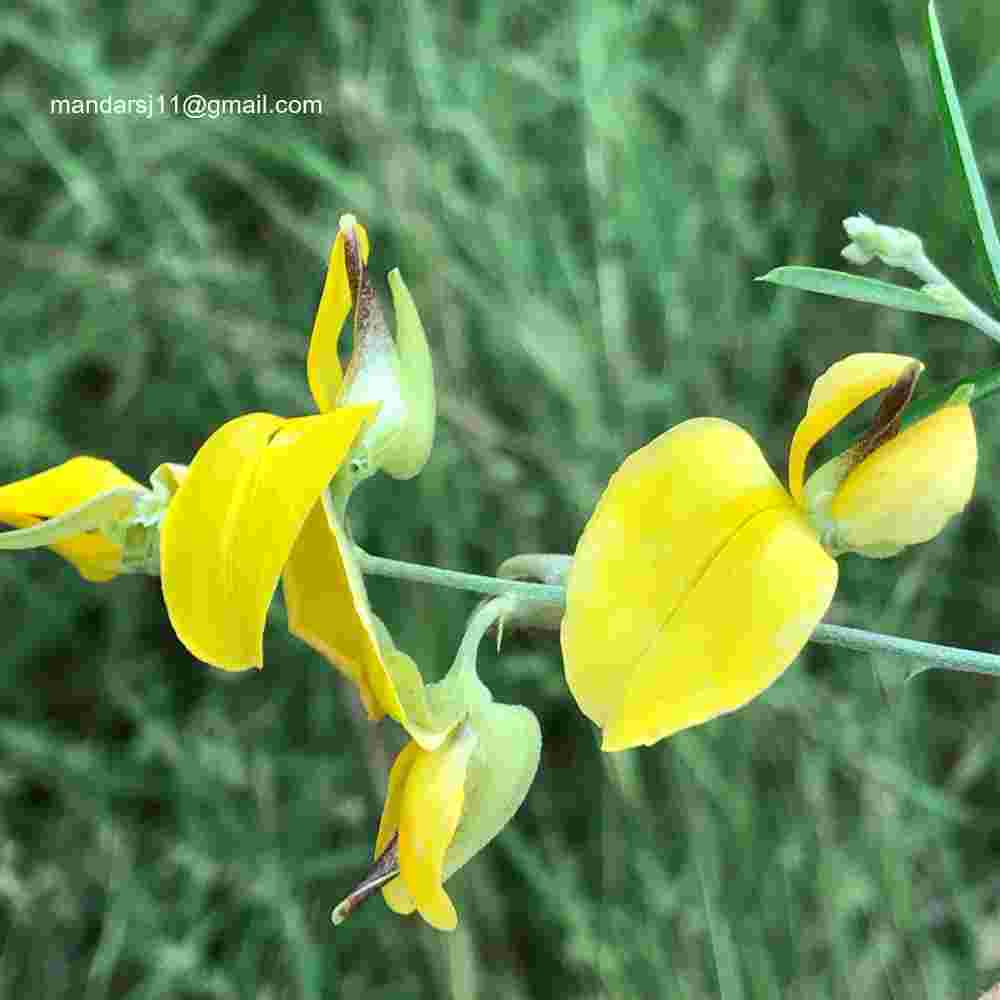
(892, 245)
(699, 579)
(396, 373)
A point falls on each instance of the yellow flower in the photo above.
(76, 510)
(446, 805)
(699, 579)
(447, 802)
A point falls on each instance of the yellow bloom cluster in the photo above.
(265, 499)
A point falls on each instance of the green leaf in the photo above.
(976, 207)
(853, 286)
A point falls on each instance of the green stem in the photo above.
(417, 573)
(943, 657)
(929, 653)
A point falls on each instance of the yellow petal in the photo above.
(231, 526)
(398, 776)
(323, 361)
(663, 518)
(908, 488)
(734, 633)
(28, 502)
(397, 897)
(840, 390)
(95, 558)
(431, 809)
(395, 893)
(58, 489)
(328, 608)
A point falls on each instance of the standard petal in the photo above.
(431, 809)
(908, 488)
(31, 501)
(231, 526)
(323, 361)
(735, 631)
(840, 390)
(663, 518)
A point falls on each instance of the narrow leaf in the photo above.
(858, 288)
(976, 207)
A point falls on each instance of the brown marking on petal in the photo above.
(383, 870)
(352, 260)
(886, 423)
(370, 326)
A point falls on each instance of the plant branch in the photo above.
(968, 661)
(931, 655)
(418, 573)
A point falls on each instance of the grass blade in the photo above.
(858, 288)
(976, 207)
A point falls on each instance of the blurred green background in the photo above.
(579, 196)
